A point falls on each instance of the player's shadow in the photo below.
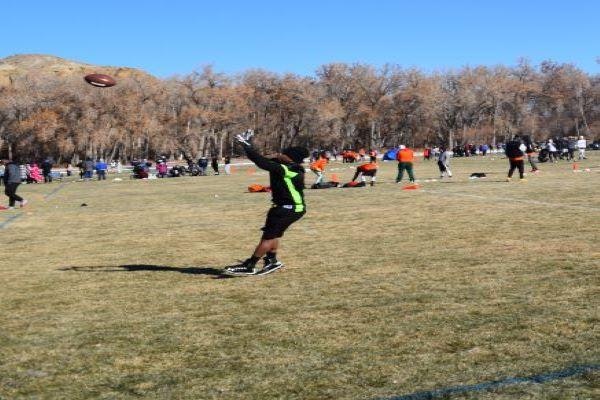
(214, 272)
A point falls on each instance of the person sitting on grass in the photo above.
(34, 174)
(286, 175)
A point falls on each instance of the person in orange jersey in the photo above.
(405, 157)
(368, 169)
(318, 167)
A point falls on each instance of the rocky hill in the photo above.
(25, 64)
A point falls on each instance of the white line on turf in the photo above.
(9, 220)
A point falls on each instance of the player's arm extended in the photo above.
(261, 161)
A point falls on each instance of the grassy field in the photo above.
(386, 292)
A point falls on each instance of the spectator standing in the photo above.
(227, 165)
(12, 179)
(101, 169)
(581, 146)
(24, 172)
(2, 169)
(47, 170)
(552, 151)
(215, 165)
(484, 149)
(444, 163)
(530, 151)
(88, 168)
(571, 147)
(69, 169)
(334, 153)
(405, 159)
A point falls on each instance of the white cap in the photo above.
(402, 147)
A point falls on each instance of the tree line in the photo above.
(342, 106)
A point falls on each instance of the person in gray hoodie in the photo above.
(12, 180)
(444, 162)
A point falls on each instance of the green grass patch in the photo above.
(385, 292)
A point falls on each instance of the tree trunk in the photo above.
(114, 151)
(221, 139)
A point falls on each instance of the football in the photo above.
(100, 80)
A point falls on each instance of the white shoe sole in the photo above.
(240, 273)
(263, 272)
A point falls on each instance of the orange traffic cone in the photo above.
(575, 166)
(251, 171)
(414, 186)
(335, 178)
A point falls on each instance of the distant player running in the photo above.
(318, 167)
(368, 169)
(286, 175)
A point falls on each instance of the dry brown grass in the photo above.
(385, 292)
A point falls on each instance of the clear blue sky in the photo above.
(178, 36)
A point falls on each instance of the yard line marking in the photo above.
(478, 387)
(511, 199)
(53, 192)
(9, 220)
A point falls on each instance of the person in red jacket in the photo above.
(405, 157)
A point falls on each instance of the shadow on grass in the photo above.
(214, 272)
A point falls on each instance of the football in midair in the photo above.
(100, 80)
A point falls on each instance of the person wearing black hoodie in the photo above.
(286, 175)
(515, 151)
(12, 180)
(47, 170)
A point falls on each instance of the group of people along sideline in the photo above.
(517, 151)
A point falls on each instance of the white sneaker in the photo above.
(24, 203)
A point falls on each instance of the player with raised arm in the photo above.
(286, 175)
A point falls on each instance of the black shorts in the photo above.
(278, 220)
(372, 172)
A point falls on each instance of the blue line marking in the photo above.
(540, 378)
(9, 220)
(53, 192)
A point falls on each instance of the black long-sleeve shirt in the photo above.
(287, 180)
